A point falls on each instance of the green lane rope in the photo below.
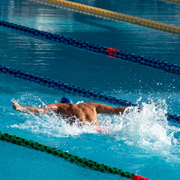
(83, 162)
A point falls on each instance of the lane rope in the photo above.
(174, 1)
(70, 157)
(83, 162)
(73, 89)
(110, 52)
(63, 86)
(114, 15)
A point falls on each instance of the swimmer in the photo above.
(83, 112)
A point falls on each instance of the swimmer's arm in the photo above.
(105, 109)
(35, 110)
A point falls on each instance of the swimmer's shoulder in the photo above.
(62, 105)
(88, 104)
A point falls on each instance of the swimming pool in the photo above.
(143, 143)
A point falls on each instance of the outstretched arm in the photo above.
(105, 109)
(35, 110)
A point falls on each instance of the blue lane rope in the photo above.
(73, 89)
(158, 64)
(63, 86)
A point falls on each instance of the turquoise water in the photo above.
(143, 143)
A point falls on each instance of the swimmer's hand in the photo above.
(16, 106)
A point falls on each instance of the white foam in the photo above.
(148, 128)
(52, 125)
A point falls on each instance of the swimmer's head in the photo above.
(66, 100)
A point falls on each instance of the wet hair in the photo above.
(66, 100)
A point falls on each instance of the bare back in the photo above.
(83, 111)
(73, 112)
(86, 111)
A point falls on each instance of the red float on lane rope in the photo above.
(111, 51)
(137, 177)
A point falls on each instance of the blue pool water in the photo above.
(143, 143)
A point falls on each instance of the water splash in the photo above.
(52, 125)
(148, 129)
